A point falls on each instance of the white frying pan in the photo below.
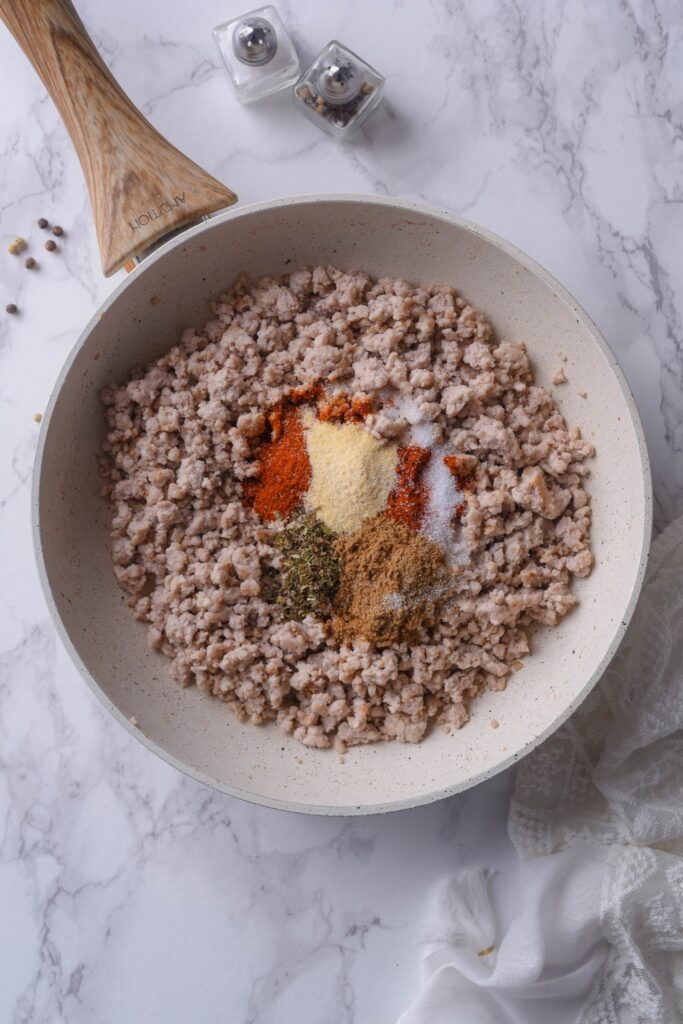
(142, 190)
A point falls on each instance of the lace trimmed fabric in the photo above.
(613, 775)
(597, 818)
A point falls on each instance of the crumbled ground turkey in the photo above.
(183, 433)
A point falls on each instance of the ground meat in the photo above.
(195, 560)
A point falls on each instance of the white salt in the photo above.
(444, 498)
(421, 432)
(398, 602)
(444, 494)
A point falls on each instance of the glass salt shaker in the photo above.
(258, 54)
(339, 91)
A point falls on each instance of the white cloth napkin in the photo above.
(597, 813)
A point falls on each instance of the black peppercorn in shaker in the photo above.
(339, 91)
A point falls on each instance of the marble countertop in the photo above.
(128, 892)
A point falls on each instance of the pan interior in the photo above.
(146, 316)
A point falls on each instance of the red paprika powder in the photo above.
(407, 502)
(343, 409)
(284, 468)
(464, 481)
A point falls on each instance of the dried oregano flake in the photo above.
(309, 571)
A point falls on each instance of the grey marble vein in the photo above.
(128, 892)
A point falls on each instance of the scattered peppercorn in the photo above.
(37, 416)
(11, 308)
(43, 222)
(17, 245)
(50, 245)
(57, 230)
(29, 263)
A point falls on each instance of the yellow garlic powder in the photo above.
(352, 473)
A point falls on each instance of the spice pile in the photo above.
(326, 476)
(352, 473)
(392, 579)
(356, 561)
(309, 572)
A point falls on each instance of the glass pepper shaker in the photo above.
(258, 54)
(339, 91)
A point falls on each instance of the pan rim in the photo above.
(402, 205)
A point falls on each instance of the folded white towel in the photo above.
(538, 970)
(597, 815)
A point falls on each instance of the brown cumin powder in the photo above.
(392, 580)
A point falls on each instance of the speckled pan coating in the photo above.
(145, 316)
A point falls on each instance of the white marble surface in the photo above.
(128, 892)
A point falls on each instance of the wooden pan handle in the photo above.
(141, 187)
